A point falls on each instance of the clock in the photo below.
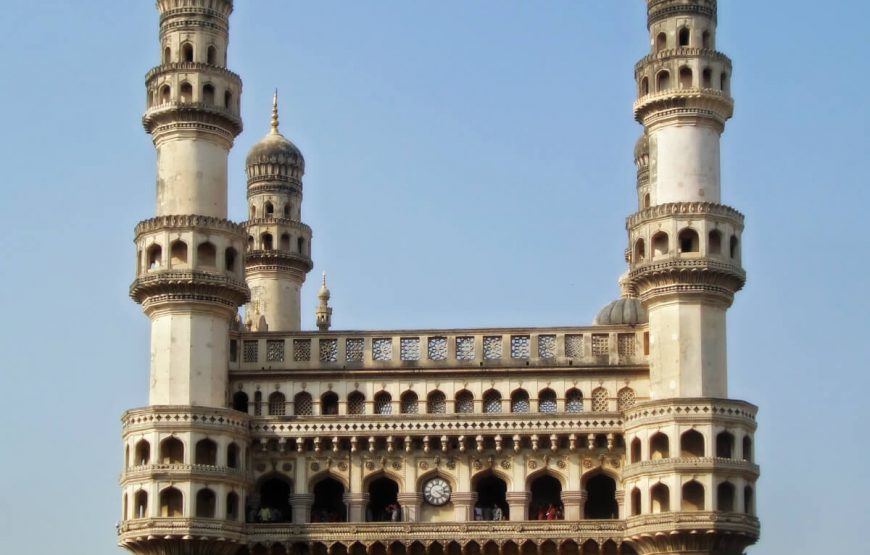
(436, 492)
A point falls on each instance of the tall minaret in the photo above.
(279, 244)
(689, 477)
(184, 452)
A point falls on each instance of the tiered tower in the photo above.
(184, 446)
(684, 251)
(279, 244)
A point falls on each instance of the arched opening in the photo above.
(186, 93)
(285, 242)
(635, 450)
(277, 404)
(140, 504)
(693, 496)
(724, 445)
(660, 499)
(287, 210)
(492, 402)
(329, 404)
(171, 502)
(172, 451)
(211, 55)
(250, 243)
(723, 82)
(660, 244)
(205, 452)
(639, 251)
(383, 501)
(328, 505)
(725, 497)
(599, 400)
(685, 77)
(707, 78)
(491, 494)
(747, 448)
(408, 403)
(520, 401)
(253, 212)
(683, 36)
(275, 501)
(733, 247)
(232, 506)
(436, 403)
(714, 242)
(165, 94)
(661, 42)
(233, 455)
(748, 501)
(266, 241)
(303, 404)
(228, 100)
(177, 253)
(601, 498)
(547, 401)
(646, 201)
(590, 547)
(689, 241)
(644, 86)
(142, 453)
(155, 256)
(258, 403)
(659, 446)
(300, 245)
(692, 444)
(356, 403)
(230, 255)
(635, 502)
(383, 403)
(187, 52)
(205, 503)
(208, 94)
(625, 399)
(240, 401)
(573, 400)
(663, 81)
(270, 209)
(706, 41)
(167, 55)
(546, 499)
(206, 255)
(464, 402)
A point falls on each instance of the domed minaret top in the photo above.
(324, 311)
(274, 156)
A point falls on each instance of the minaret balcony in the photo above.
(183, 472)
(227, 535)
(684, 103)
(170, 418)
(693, 465)
(190, 67)
(691, 411)
(681, 53)
(675, 532)
(177, 115)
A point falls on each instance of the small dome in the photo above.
(641, 147)
(323, 294)
(626, 311)
(274, 155)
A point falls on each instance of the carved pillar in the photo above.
(301, 504)
(574, 502)
(356, 506)
(620, 500)
(410, 503)
(518, 502)
(463, 505)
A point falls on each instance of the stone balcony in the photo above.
(178, 471)
(692, 464)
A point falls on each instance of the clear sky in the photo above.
(468, 164)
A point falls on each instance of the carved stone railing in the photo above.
(170, 417)
(180, 528)
(692, 521)
(157, 471)
(689, 464)
(190, 66)
(682, 52)
(670, 410)
(188, 221)
(687, 209)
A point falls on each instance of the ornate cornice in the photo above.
(188, 221)
(692, 532)
(692, 102)
(663, 9)
(690, 410)
(189, 286)
(276, 260)
(185, 472)
(174, 115)
(274, 184)
(703, 276)
(719, 465)
(171, 417)
(183, 67)
(682, 52)
(687, 209)
(286, 222)
(181, 535)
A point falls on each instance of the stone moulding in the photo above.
(682, 52)
(670, 410)
(172, 417)
(688, 209)
(695, 522)
(177, 528)
(183, 472)
(173, 67)
(277, 260)
(693, 101)
(168, 286)
(188, 221)
(157, 118)
(663, 9)
(685, 464)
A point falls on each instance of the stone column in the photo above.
(574, 502)
(620, 501)
(518, 502)
(410, 503)
(463, 505)
(301, 504)
(356, 506)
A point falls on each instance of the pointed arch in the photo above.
(520, 401)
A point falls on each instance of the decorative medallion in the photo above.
(370, 465)
(561, 464)
(315, 466)
(397, 465)
(342, 466)
(587, 463)
(533, 465)
(506, 464)
(451, 464)
(476, 464)
(424, 465)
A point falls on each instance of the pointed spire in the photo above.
(324, 311)
(275, 112)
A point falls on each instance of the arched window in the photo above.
(684, 36)
(228, 100)
(660, 498)
(599, 400)
(573, 400)
(329, 404)
(707, 78)
(165, 94)
(171, 502)
(436, 403)
(492, 401)
(724, 445)
(725, 497)
(155, 256)
(177, 253)
(639, 251)
(266, 241)
(644, 86)
(208, 94)
(663, 80)
(230, 259)
(546, 498)
(275, 500)
(142, 453)
(172, 451)
(714, 242)
(520, 401)
(240, 401)
(733, 247)
(491, 492)
(211, 55)
(250, 243)
(547, 401)
(167, 55)
(206, 255)
(383, 403)
(186, 52)
(140, 501)
(661, 42)
(233, 455)
(205, 503)
(328, 505)
(747, 448)
(356, 403)
(601, 498)
(635, 502)
(186, 93)
(625, 399)
(689, 241)
(300, 245)
(464, 402)
(660, 244)
(258, 403)
(748, 501)
(205, 452)
(705, 40)
(277, 404)
(408, 403)
(685, 77)
(693, 496)
(383, 496)
(302, 404)
(285, 242)
(287, 210)
(232, 506)
(723, 82)
(692, 444)
(659, 446)
(635, 450)
(646, 201)
(253, 212)
(270, 209)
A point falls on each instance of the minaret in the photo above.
(689, 475)
(323, 313)
(279, 244)
(184, 451)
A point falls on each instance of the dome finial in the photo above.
(275, 112)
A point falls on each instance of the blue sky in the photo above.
(468, 164)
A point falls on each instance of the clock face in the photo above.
(436, 492)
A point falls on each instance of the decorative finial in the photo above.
(324, 311)
(275, 112)
(324, 279)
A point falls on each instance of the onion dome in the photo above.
(274, 155)
(625, 311)
(323, 294)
